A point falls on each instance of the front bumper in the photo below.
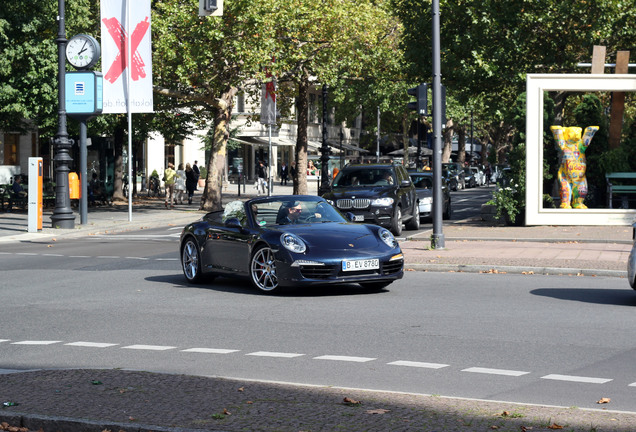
(330, 272)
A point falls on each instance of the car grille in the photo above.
(392, 266)
(359, 203)
(316, 271)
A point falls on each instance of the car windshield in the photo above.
(289, 210)
(364, 177)
(422, 182)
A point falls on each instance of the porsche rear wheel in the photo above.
(263, 269)
(191, 261)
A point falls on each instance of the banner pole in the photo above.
(128, 78)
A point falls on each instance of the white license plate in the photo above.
(354, 265)
(359, 218)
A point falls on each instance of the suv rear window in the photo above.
(364, 177)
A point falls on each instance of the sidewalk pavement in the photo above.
(114, 400)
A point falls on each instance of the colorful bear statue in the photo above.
(572, 181)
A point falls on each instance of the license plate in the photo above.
(359, 218)
(354, 265)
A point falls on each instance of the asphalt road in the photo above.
(120, 301)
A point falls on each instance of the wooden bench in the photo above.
(616, 184)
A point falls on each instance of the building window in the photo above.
(239, 103)
(11, 149)
(313, 108)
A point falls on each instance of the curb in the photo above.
(466, 268)
(67, 424)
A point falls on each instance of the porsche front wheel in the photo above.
(263, 269)
(191, 261)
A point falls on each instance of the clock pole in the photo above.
(63, 214)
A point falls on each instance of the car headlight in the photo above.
(293, 243)
(387, 238)
(382, 202)
(427, 200)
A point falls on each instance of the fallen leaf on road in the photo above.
(555, 426)
(604, 400)
(241, 389)
(351, 402)
(226, 412)
(378, 411)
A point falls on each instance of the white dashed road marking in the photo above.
(274, 354)
(572, 378)
(210, 350)
(341, 358)
(495, 371)
(345, 358)
(418, 364)
(91, 344)
(35, 342)
(149, 347)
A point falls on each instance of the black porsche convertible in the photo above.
(289, 241)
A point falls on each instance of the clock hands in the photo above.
(83, 47)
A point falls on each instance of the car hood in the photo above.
(363, 192)
(336, 236)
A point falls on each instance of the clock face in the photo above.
(82, 51)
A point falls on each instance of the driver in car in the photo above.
(293, 214)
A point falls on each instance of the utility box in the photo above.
(35, 194)
(74, 186)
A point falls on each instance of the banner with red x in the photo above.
(126, 26)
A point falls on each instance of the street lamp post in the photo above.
(62, 214)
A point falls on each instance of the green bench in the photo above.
(616, 185)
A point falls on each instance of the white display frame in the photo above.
(536, 85)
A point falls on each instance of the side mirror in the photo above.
(405, 183)
(233, 223)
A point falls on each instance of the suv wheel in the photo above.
(414, 223)
(396, 222)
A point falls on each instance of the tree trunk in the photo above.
(405, 138)
(118, 169)
(211, 200)
(559, 99)
(302, 103)
(448, 141)
(461, 145)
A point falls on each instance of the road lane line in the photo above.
(274, 354)
(107, 257)
(418, 364)
(495, 371)
(573, 378)
(91, 344)
(149, 347)
(210, 350)
(4, 340)
(35, 342)
(345, 358)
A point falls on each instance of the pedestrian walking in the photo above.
(169, 178)
(191, 182)
(180, 185)
(292, 170)
(260, 178)
(487, 173)
(197, 174)
(284, 173)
